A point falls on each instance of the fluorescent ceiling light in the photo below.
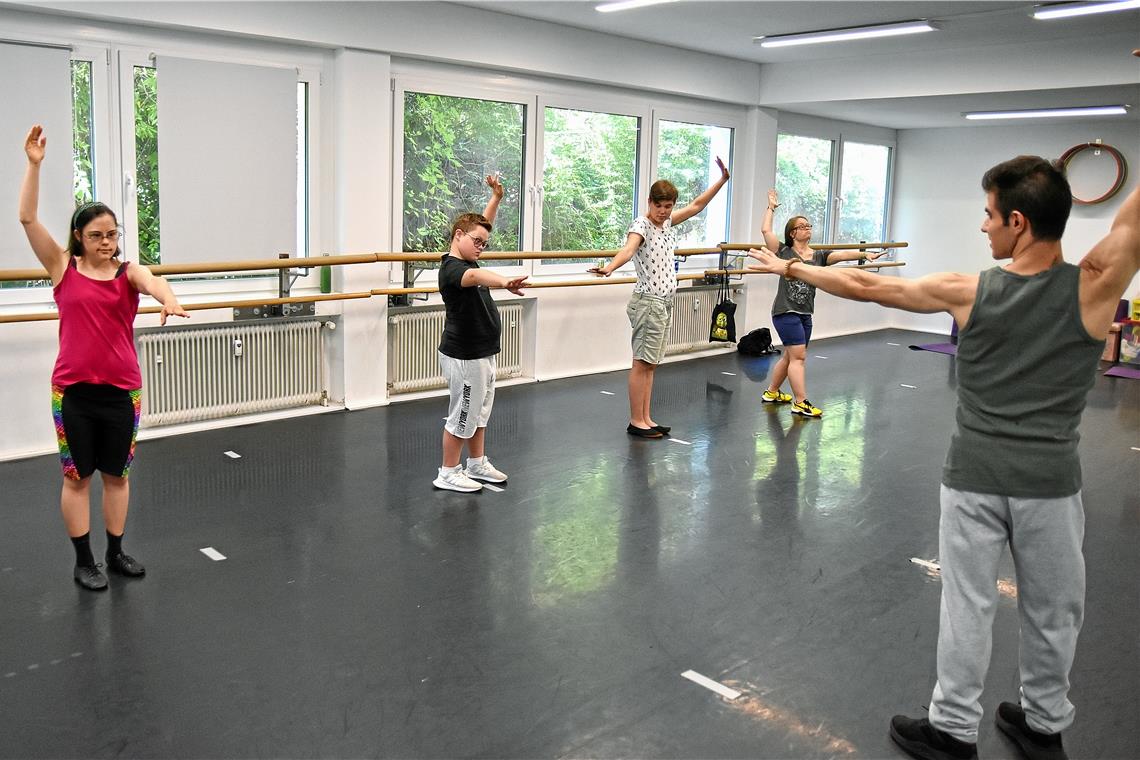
(1044, 113)
(625, 5)
(1064, 10)
(851, 33)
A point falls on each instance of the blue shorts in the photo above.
(794, 329)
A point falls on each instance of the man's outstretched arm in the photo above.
(949, 291)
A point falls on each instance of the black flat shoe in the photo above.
(90, 577)
(125, 564)
(643, 432)
(662, 429)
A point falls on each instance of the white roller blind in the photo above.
(35, 89)
(227, 160)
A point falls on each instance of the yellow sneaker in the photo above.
(806, 409)
(776, 397)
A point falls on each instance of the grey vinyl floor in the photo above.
(361, 613)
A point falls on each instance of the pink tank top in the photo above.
(96, 330)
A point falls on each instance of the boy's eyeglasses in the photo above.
(478, 242)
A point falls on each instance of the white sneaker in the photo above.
(482, 469)
(454, 479)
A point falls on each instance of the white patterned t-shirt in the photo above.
(654, 259)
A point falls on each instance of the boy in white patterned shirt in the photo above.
(651, 243)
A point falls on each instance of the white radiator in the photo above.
(692, 317)
(413, 344)
(238, 368)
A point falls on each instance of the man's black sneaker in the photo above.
(125, 564)
(1035, 745)
(90, 577)
(922, 740)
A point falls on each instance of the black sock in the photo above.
(114, 545)
(83, 556)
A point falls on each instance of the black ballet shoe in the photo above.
(662, 429)
(125, 564)
(643, 432)
(90, 577)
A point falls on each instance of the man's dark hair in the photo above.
(1035, 187)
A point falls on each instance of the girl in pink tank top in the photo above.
(96, 382)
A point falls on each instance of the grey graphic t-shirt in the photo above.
(795, 295)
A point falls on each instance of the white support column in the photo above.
(362, 147)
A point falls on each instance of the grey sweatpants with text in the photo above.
(1044, 537)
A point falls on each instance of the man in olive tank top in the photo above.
(1030, 334)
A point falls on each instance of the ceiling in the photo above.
(728, 28)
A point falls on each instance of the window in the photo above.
(451, 144)
(157, 176)
(146, 163)
(82, 131)
(803, 182)
(686, 156)
(576, 162)
(865, 176)
(589, 180)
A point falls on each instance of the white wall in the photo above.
(576, 330)
(939, 202)
(427, 30)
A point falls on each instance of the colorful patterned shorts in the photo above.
(96, 427)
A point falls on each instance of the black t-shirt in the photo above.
(471, 328)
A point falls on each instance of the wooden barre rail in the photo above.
(47, 316)
(11, 275)
(821, 247)
(251, 302)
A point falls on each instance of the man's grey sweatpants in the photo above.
(1045, 537)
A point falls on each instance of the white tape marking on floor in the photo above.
(893, 344)
(678, 440)
(710, 684)
(1134, 448)
(730, 374)
(926, 563)
(490, 487)
(213, 553)
(607, 393)
(233, 455)
(817, 356)
(912, 387)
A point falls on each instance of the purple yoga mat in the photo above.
(1121, 370)
(939, 348)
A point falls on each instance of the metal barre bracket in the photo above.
(276, 310)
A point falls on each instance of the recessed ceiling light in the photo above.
(1044, 113)
(625, 5)
(850, 33)
(1065, 10)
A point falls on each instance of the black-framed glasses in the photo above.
(95, 237)
(478, 242)
(802, 227)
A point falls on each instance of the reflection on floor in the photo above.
(360, 613)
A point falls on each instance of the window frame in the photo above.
(888, 191)
(709, 117)
(259, 283)
(402, 84)
(593, 104)
(839, 133)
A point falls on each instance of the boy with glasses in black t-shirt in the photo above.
(468, 347)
